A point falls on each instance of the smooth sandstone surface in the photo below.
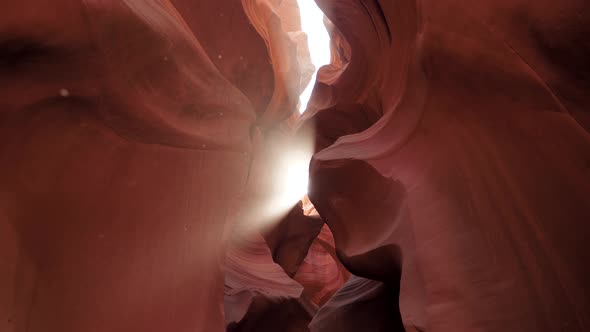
(448, 190)
(477, 171)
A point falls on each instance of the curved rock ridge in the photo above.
(321, 273)
(361, 305)
(177, 93)
(477, 169)
(288, 53)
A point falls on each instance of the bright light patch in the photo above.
(287, 167)
(318, 40)
(295, 179)
(291, 161)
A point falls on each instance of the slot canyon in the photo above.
(189, 166)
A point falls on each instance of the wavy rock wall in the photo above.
(470, 189)
(449, 182)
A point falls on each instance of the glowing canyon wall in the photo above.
(142, 143)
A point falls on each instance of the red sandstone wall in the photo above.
(451, 167)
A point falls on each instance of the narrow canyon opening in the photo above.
(318, 42)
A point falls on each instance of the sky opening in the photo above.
(318, 40)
